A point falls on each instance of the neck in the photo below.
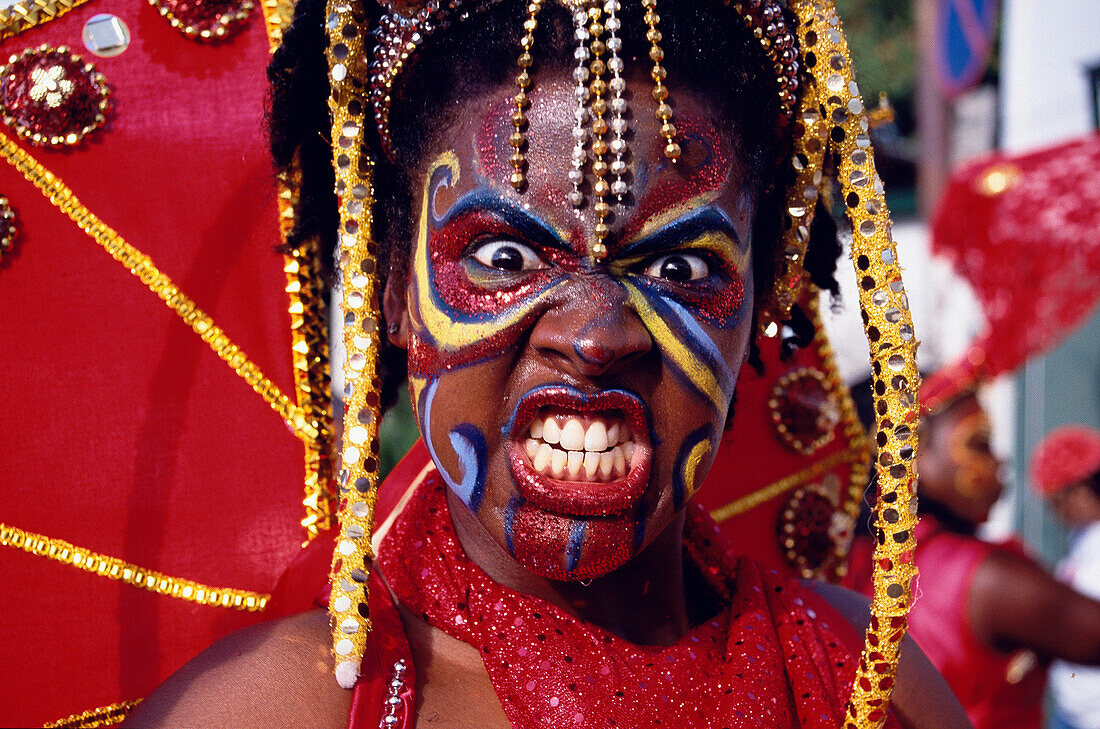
(949, 520)
(645, 601)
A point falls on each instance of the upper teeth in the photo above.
(601, 452)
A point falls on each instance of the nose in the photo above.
(591, 329)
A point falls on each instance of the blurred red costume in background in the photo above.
(1021, 229)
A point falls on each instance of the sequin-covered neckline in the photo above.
(767, 660)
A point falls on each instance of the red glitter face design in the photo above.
(565, 402)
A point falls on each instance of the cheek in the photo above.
(456, 429)
(691, 464)
(686, 345)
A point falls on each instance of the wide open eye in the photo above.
(679, 267)
(508, 256)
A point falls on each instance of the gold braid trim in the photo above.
(27, 14)
(115, 569)
(748, 502)
(141, 266)
(277, 17)
(104, 716)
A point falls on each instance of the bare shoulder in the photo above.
(921, 698)
(277, 673)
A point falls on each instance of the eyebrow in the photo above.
(527, 224)
(698, 222)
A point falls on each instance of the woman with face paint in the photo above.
(575, 252)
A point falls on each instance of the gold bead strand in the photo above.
(660, 91)
(518, 140)
(600, 168)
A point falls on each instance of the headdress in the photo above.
(805, 47)
(1066, 456)
(1022, 230)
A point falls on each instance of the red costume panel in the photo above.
(125, 434)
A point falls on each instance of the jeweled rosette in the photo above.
(205, 19)
(51, 97)
(8, 230)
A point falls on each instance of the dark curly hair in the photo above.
(718, 60)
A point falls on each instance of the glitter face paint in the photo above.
(492, 349)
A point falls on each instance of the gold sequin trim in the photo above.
(141, 266)
(115, 569)
(892, 344)
(783, 485)
(358, 478)
(308, 326)
(277, 17)
(27, 14)
(102, 717)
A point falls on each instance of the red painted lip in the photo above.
(581, 498)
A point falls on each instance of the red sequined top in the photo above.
(777, 655)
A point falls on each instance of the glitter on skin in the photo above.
(463, 313)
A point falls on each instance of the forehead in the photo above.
(710, 169)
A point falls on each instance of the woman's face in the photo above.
(574, 407)
(957, 465)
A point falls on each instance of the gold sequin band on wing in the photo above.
(27, 14)
(308, 324)
(358, 478)
(159, 283)
(115, 569)
(748, 502)
(892, 343)
(105, 716)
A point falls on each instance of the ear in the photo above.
(395, 309)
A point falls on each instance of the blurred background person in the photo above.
(1065, 471)
(987, 615)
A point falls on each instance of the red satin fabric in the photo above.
(940, 624)
(777, 656)
(122, 431)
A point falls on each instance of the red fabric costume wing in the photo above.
(124, 433)
(1023, 231)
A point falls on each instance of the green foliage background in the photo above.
(882, 36)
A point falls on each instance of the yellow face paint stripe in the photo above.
(698, 452)
(448, 334)
(681, 356)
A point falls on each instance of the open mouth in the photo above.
(580, 455)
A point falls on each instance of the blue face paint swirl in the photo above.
(469, 444)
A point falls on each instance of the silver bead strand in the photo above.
(580, 114)
(393, 699)
(617, 85)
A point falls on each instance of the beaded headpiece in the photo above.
(820, 103)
